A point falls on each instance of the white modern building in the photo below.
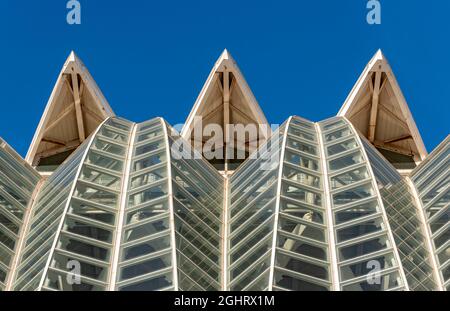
(351, 203)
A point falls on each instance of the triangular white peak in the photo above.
(377, 108)
(226, 99)
(75, 108)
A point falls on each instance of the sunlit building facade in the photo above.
(100, 203)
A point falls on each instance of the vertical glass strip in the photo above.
(18, 181)
(432, 181)
(363, 243)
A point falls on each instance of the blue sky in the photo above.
(151, 58)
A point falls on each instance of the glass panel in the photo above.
(338, 134)
(112, 134)
(353, 195)
(301, 211)
(145, 248)
(365, 267)
(301, 195)
(357, 211)
(333, 124)
(106, 146)
(83, 248)
(147, 195)
(300, 247)
(301, 229)
(301, 161)
(149, 161)
(301, 146)
(360, 229)
(57, 281)
(85, 210)
(287, 281)
(146, 230)
(300, 266)
(96, 195)
(149, 284)
(149, 147)
(301, 133)
(66, 263)
(100, 178)
(87, 230)
(362, 248)
(301, 177)
(346, 161)
(349, 178)
(144, 267)
(148, 178)
(104, 161)
(386, 282)
(342, 147)
(147, 211)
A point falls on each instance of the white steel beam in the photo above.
(79, 113)
(374, 109)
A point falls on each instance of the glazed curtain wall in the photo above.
(127, 214)
(312, 220)
(405, 220)
(315, 208)
(42, 227)
(17, 183)
(360, 227)
(432, 181)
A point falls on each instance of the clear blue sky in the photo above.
(151, 58)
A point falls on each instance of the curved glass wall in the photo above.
(145, 256)
(405, 222)
(17, 183)
(85, 242)
(432, 181)
(277, 229)
(366, 258)
(197, 193)
(302, 261)
(315, 208)
(46, 215)
(251, 213)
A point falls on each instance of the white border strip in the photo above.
(277, 204)
(171, 210)
(427, 234)
(335, 280)
(66, 208)
(121, 214)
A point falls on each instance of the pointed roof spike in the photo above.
(225, 62)
(75, 108)
(378, 109)
(226, 103)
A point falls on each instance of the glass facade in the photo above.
(17, 183)
(432, 183)
(135, 207)
(44, 221)
(361, 231)
(404, 218)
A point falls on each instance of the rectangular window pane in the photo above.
(145, 248)
(346, 161)
(362, 248)
(341, 147)
(349, 178)
(338, 134)
(359, 230)
(353, 195)
(355, 212)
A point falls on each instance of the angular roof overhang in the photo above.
(377, 108)
(75, 108)
(226, 99)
